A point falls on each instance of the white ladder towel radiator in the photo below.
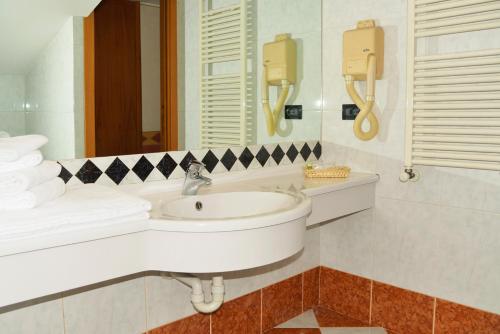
(226, 117)
(453, 99)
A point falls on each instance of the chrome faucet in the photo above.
(194, 180)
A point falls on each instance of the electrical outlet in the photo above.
(293, 112)
(349, 112)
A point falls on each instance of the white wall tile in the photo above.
(43, 318)
(58, 127)
(79, 90)
(402, 245)
(467, 265)
(13, 122)
(167, 301)
(12, 92)
(434, 235)
(118, 308)
(347, 243)
(50, 94)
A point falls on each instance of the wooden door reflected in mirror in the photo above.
(130, 52)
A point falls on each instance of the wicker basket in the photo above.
(329, 172)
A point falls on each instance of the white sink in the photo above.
(228, 205)
(219, 232)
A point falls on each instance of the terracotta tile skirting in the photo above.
(328, 318)
(452, 318)
(357, 301)
(195, 324)
(346, 294)
(281, 302)
(311, 288)
(242, 315)
(398, 310)
(294, 331)
(401, 311)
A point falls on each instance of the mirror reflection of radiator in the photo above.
(225, 90)
(453, 99)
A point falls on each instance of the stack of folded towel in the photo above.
(26, 181)
(86, 206)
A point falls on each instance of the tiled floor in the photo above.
(323, 321)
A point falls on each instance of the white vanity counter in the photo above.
(331, 197)
(41, 265)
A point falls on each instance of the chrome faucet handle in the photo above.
(195, 168)
(194, 180)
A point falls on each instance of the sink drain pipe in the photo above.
(197, 295)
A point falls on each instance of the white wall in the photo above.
(272, 18)
(141, 303)
(189, 74)
(54, 93)
(79, 87)
(150, 68)
(302, 19)
(12, 93)
(27, 26)
(438, 236)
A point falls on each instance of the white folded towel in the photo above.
(29, 160)
(45, 230)
(13, 148)
(34, 197)
(87, 204)
(12, 183)
(4, 134)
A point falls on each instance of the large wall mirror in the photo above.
(125, 77)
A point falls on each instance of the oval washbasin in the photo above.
(228, 205)
(219, 232)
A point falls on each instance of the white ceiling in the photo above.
(27, 26)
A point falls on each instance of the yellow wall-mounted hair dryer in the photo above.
(364, 60)
(280, 69)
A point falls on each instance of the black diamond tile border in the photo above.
(262, 156)
(186, 161)
(246, 157)
(143, 168)
(118, 171)
(65, 175)
(292, 153)
(317, 150)
(278, 154)
(167, 165)
(305, 152)
(228, 159)
(89, 173)
(210, 161)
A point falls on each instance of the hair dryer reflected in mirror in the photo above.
(280, 69)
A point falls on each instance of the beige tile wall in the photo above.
(54, 93)
(438, 236)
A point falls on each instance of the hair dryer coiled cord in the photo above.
(365, 107)
(272, 117)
